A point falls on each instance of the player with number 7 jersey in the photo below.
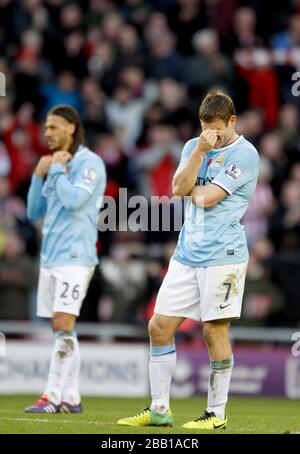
(65, 189)
(205, 279)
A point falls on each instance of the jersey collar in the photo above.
(81, 149)
(220, 150)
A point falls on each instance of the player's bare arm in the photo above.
(207, 196)
(43, 166)
(185, 177)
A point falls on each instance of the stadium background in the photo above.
(136, 71)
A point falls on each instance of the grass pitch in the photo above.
(246, 416)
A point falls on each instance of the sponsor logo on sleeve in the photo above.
(89, 175)
(233, 172)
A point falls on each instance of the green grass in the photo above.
(246, 416)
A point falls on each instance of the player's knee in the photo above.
(156, 332)
(210, 333)
(215, 333)
(60, 322)
(153, 328)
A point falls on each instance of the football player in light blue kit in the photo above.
(66, 188)
(206, 275)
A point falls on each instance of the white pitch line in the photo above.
(57, 421)
(4, 411)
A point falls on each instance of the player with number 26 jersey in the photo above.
(66, 188)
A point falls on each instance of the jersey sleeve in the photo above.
(36, 202)
(239, 169)
(90, 173)
(186, 152)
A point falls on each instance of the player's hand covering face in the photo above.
(223, 132)
(207, 140)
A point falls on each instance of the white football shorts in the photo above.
(62, 289)
(202, 293)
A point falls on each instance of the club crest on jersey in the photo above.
(89, 174)
(220, 159)
(233, 172)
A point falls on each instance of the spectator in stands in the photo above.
(286, 219)
(271, 147)
(93, 108)
(125, 111)
(251, 125)
(110, 150)
(255, 66)
(285, 269)
(75, 59)
(102, 65)
(110, 26)
(136, 12)
(209, 67)
(22, 137)
(295, 173)
(9, 79)
(70, 17)
(263, 298)
(243, 32)
(156, 24)
(288, 126)
(124, 275)
(18, 276)
(185, 17)
(13, 216)
(31, 70)
(163, 59)
(130, 48)
(25, 15)
(156, 163)
(12, 208)
(64, 91)
(290, 38)
(261, 206)
(174, 102)
(5, 164)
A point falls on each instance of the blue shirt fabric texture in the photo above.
(68, 198)
(214, 236)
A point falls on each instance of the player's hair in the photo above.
(72, 116)
(216, 104)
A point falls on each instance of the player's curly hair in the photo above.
(72, 116)
(216, 104)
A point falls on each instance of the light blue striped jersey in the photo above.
(214, 236)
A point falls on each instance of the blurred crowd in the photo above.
(137, 71)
